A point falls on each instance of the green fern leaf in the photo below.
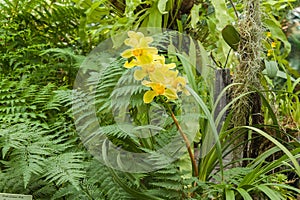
(64, 168)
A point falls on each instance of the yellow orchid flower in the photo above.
(140, 50)
(163, 75)
(161, 60)
(161, 78)
(169, 78)
(139, 74)
(270, 52)
(147, 69)
(179, 83)
(273, 44)
(158, 89)
(137, 39)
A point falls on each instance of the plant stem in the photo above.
(234, 8)
(186, 140)
(187, 143)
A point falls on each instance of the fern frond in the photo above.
(27, 150)
(70, 192)
(167, 183)
(126, 88)
(64, 168)
(100, 175)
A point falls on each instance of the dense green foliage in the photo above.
(42, 46)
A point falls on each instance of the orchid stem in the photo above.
(187, 143)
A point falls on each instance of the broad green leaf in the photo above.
(216, 24)
(266, 103)
(285, 186)
(195, 15)
(179, 25)
(162, 6)
(154, 18)
(251, 177)
(271, 69)
(283, 75)
(231, 36)
(296, 82)
(229, 194)
(221, 13)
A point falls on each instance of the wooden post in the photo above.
(222, 79)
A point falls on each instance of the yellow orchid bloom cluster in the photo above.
(152, 69)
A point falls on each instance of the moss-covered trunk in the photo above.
(247, 109)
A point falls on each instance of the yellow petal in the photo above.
(139, 74)
(131, 33)
(158, 88)
(145, 59)
(157, 76)
(179, 81)
(149, 96)
(171, 93)
(163, 75)
(144, 42)
(134, 39)
(149, 68)
(139, 35)
(185, 91)
(170, 66)
(149, 84)
(151, 50)
(160, 59)
(127, 53)
(146, 83)
(130, 64)
(136, 35)
(131, 42)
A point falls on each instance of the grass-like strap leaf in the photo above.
(212, 126)
(281, 146)
(272, 194)
(244, 194)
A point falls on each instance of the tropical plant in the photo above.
(118, 117)
(176, 180)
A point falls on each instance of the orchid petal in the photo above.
(149, 96)
(127, 53)
(130, 64)
(139, 74)
(171, 93)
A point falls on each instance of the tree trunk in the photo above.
(246, 111)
